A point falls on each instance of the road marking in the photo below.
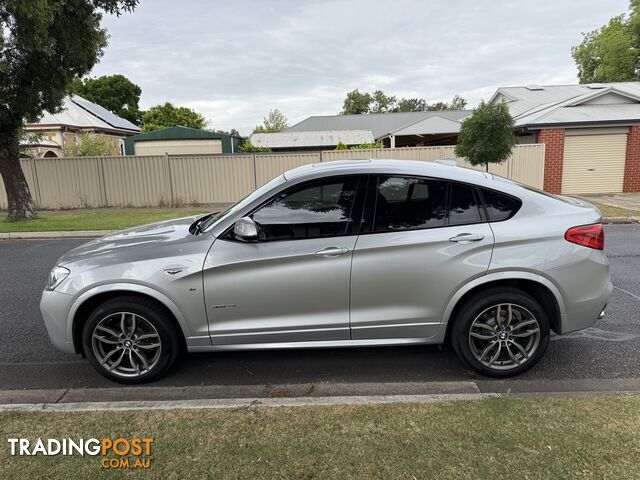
(628, 293)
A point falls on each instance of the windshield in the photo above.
(212, 221)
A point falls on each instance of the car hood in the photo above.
(134, 241)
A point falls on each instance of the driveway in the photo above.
(610, 350)
(630, 201)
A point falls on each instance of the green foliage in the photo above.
(44, 45)
(341, 146)
(611, 53)
(248, 147)
(274, 122)
(367, 146)
(487, 135)
(88, 144)
(357, 102)
(114, 92)
(168, 115)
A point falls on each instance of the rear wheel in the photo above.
(501, 332)
(130, 340)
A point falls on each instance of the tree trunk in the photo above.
(21, 206)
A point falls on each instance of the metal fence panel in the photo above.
(176, 180)
(269, 166)
(211, 179)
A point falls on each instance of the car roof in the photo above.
(374, 166)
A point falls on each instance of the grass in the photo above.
(532, 439)
(98, 219)
(611, 211)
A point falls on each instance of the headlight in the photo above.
(56, 276)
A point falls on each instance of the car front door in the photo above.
(422, 239)
(292, 284)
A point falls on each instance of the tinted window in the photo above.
(409, 203)
(498, 205)
(321, 209)
(463, 206)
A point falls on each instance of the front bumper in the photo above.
(55, 307)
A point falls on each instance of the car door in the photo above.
(292, 284)
(422, 239)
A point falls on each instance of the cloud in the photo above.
(235, 61)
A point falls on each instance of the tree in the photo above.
(44, 45)
(168, 115)
(487, 135)
(457, 103)
(114, 92)
(88, 144)
(382, 103)
(274, 122)
(248, 147)
(357, 102)
(341, 146)
(611, 53)
(411, 105)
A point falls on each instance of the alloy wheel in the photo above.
(504, 336)
(126, 344)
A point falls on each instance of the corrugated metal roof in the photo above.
(380, 124)
(563, 104)
(79, 112)
(328, 138)
(178, 132)
(433, 125)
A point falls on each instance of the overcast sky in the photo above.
(235, 60)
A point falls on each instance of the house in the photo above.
(591, 133)
(178, 140)
(402, 129)
(318, 140)
(56, 132)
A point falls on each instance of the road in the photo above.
(610, 350)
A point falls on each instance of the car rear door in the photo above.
(422, 238)
(292, 285)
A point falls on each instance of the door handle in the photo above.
(467, 237)
(332, 251)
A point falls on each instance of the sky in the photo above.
(234, 61)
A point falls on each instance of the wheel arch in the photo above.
(90, 300)
(539, 287)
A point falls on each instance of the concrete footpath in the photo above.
(242, 396)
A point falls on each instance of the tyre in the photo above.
(130, 340)
(500, 332)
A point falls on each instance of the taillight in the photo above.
(591, 236)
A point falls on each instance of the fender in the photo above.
(505, 275)
(127, 287)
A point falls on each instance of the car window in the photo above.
(463, 205)
(404, 203)
(499, 206)
(320, 209)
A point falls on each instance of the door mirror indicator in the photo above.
(246, 229)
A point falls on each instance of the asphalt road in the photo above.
(610, 350)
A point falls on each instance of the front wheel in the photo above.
(501, 332)
(130, 340)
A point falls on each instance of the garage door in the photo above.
(160, 147)
(594, 163)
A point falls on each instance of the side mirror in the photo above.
(246, 229)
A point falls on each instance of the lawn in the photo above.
(499, 438)
(98, 219)
(610, 211)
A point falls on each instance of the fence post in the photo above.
(169, 178)
(103, 183)
(36, 183)
(255, 172)
(321, 156)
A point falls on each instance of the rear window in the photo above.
(499, 206)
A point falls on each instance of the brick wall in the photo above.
(632, 162)
(553, 156)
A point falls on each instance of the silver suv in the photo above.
(342, 254)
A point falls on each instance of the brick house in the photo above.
(591, 133)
